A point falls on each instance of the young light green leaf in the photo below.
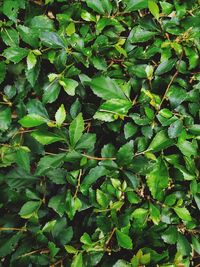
(70, 29)
(183, 213)
(102, 198)
(46, 138)
(60, 115)
(29, 209)
(153, 8)
(31, 60)
(77, 260)
(69, 85)
(32, 120)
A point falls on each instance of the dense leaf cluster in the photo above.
(99, 131)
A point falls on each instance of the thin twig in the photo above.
(78, 184)
(56, 263)
(171, 81)
(41, 251)
(13, 229)
(111, 235)
(96, 158)
(168, 87)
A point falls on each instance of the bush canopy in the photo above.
(99, 132)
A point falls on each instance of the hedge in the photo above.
(99, 132)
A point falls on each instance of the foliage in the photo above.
(99, 130)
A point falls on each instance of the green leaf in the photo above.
(153, 8)
(52, 39)
(196, 244)
(32, 120)
(93, 175)
(28, 35)
(129, 130)
(85, 239)
(155, 214)
(175, 129)
(183, 213)
(15, 54)
(87, 16)
(176, 95)
(124, 240)
(165, 112)
(31, 60)
(194, 129)
(106, 88)
(158, 179)
(23, 159)
(10, 37)
(140, 35)
(29, 209)
(53, 249)
(51, 92)
(32, 74)
(135, 5)
(19, 179)
(49, 162)
(192, 56)
(116, 106)
(170, 235)
(125, 154)
(60, 115)
(10, 9)
(5, 119)
(70, 29)
(77, 260)
(100, 6)
(183, 246)
(102, 198)
(41, 23)
(2, 71)
(87, 141)
(76, 129)
(160, 142)
(57, 203)
(188, 148)
(70, 249)
(69, 85)
(46, 138)
(9, 244)
(165, 66)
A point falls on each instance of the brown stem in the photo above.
(56, 263)
(111, 235)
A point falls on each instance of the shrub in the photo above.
(99, 119)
